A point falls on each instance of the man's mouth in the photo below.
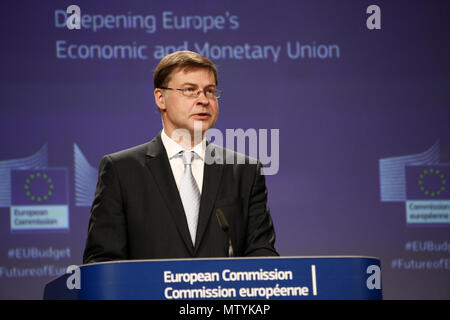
(201, 115)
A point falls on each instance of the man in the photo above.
(159, 200)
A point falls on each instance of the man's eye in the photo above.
(189, 90)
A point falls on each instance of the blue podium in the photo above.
(323, 278)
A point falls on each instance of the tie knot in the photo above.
(187, 157)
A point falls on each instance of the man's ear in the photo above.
(160, 99)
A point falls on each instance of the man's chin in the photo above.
(201, 126)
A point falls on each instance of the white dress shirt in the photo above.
(176, 162)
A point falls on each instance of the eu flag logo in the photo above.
(428, 182)
(428, 194)
(39, 199)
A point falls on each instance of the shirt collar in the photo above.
(173, 148)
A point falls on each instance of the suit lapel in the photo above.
(159, 166)
(212, 176)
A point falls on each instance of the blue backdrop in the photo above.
(363, 119)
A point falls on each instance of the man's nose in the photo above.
(202, 97)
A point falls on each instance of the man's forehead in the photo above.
(190, 74)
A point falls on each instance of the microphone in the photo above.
(223, 223)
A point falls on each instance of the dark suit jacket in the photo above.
(137, 212)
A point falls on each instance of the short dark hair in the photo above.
(180, 59)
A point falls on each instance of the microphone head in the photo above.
(222, 220)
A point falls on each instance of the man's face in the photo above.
(179, 111)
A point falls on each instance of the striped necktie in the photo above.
(190, 194)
